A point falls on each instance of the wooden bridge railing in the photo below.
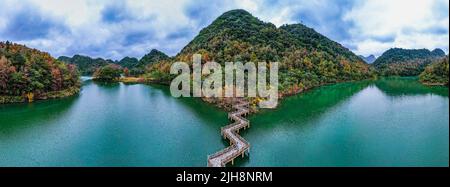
(238, 145)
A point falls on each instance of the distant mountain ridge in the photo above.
(128, 62)
(368, 59)
(87, 65)
(153, 56)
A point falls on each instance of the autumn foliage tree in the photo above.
(109, 72)
(437, 73)
(306, 58)
(126, 72)
(24, 70)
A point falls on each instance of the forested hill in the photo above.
(436, 73)
(152, 57)
(406, 62)
(310, 39)
(237, 35)
(128, 62)
(88, 65)
(307, 58)
(27, 71)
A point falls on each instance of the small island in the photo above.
(108, 73)
(29, 74)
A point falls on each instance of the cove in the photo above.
(110, 125)
(387, 122)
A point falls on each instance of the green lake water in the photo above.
(388, 122)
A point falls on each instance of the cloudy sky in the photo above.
(114, 29)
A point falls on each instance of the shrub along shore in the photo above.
(28, 74)
(30, 97)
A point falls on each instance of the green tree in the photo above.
(109, 72)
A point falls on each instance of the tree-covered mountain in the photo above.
(86, 65)
(313, 41)
(27, 74)
(237, 35)
(128, 62)
(368, 59)
(436, 73)
(307, 58)
(152, 57)
(438, 52)
(406, 62)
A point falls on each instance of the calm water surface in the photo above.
(389, 122)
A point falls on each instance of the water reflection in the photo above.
(22, 116)
(311, 104)
(354, 124)
(408, 86)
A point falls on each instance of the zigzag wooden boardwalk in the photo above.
(238, 146)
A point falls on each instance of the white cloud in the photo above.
(419, 40)
(169, 14)
(376, 25)
(2, 23)
(73, 12)
(369, 46)
(408, 22)
(249, 5)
